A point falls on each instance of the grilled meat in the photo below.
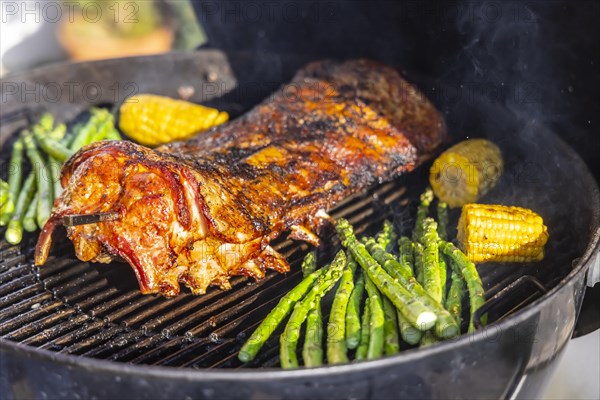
(200, 211)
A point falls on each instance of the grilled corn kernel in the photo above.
(466, 171)
(152, 120)
(501, 233)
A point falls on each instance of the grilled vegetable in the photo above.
(428, 339)
(309, 264)
(312, 351)
(14, 231)
(353, 312)
(52, 147)
(376, 331)
(336, 328)
(466, 171)
(153, 120)
(387, 236)
(277, 314)
(431, 260)
(461, 264)
(418, 266)
(365, 333)
(291, 334)
(390, 328)
(442, 214)
(409, 333)
(414, 310)
(455, 294)
(29, 223)
(3, 192)
(422, 211)
(501, 233)
(15, 176)
(445, 327)
(42, 173)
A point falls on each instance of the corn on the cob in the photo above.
(466, 171)
(152, 120)
(501, 233)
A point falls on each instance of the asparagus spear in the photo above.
(376, 331)
(442, 213)
(409, 333)
(45, 199)
(277, 314)
(3, 192)
(428, 339)
(312, 351)
(353, 313)
(29, 223)
(406, 247)
(401, 272)
(336, 328)
(309, 264)
(416, 312)
(387, 236)
(390, 328)
(14, 231)
(422, 211)
(419, 261)
(461, 264)
(431, 260)
(454, 300)
(363, 347)
(15, 176)
(52, 147)
(291, 334)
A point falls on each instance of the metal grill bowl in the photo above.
(77, 329)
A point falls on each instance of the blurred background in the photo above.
(33, 33)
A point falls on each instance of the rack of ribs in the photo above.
(200, 211)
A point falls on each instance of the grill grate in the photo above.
(97, 311)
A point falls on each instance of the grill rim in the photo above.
(578, 271)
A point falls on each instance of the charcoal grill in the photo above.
(77, 329)
(71, 327)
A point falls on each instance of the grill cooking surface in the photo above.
(96, 310)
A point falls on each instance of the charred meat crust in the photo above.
(200, 211)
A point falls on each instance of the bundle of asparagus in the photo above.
(30, 201)
(407, 296)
